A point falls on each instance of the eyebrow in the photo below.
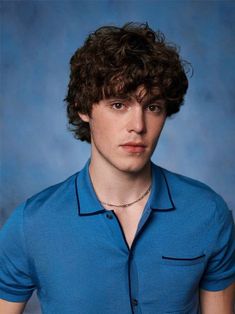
(151, 99)
(145, 102)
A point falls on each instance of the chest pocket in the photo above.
(178, 261)
(181, 275)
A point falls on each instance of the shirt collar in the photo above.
(160, 198)
(88, 204)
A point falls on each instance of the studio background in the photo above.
(37, 40)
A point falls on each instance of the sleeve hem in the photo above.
(219, 285)
(14, 298)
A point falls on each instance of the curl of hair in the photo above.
(114, 61)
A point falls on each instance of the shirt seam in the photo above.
(32, 276)
(217, 221)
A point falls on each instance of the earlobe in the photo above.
(84, 117)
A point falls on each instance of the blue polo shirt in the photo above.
(64, 244)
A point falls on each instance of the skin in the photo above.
(11, 307)
(126, 174)
(218, 302)
(120, 174)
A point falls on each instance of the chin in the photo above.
(131, 166)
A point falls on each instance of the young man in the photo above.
(122, 235)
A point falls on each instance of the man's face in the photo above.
(124, 132)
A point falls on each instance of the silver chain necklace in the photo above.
(129, 204)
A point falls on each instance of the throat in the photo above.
(131, 203)
(129, 220)
(120, 189)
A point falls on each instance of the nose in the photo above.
(136, 120)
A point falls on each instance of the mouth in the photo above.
(133, 147)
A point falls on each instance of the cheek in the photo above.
(155, 128)
(101, 131)
(161, 127)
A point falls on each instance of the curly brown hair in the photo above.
(114, 61)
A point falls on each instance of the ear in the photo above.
(84, 117)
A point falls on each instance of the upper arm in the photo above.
(218, 302)
(16, 281)
(11, 307)
(217, 286)
(220, 267)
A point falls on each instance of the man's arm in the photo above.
(218, 302)
(11, 307)
(16, 283)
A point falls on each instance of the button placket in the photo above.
(117, 232)
(134, 302)
(109, 216)
(133, 281)
(112, 225)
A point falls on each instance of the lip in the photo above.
(133, 147)
(134, 144)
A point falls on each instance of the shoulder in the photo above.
(195, 194)
(179, 181)
(52, 197)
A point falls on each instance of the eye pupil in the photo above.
(118, 105)
(152, 107)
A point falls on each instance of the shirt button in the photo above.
(134, 302)
(109, 216)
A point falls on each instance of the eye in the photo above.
(117, 105)
(154, 108)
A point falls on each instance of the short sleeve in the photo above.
(220, 270)
(16, 284)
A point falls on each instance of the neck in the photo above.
(115, 186)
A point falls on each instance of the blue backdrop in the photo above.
(37, 41)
